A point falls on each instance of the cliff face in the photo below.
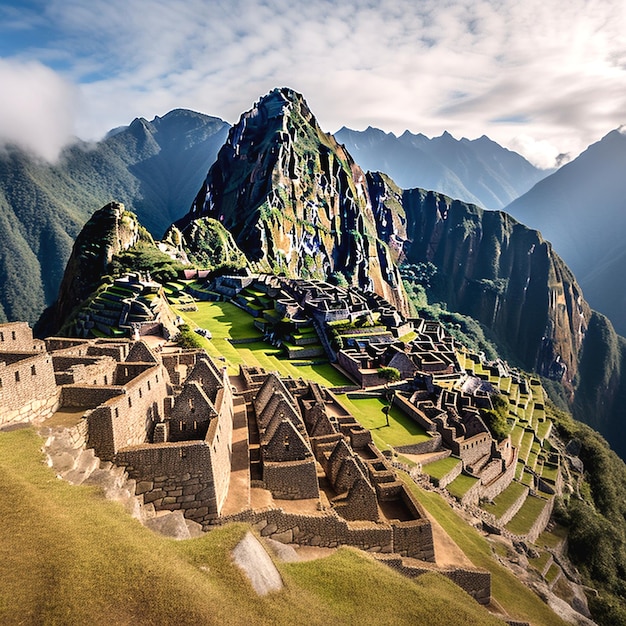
(503, 274)
(295, 201)
(108, 232)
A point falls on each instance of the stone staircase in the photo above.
(67, 455)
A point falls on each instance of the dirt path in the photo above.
(447, 553)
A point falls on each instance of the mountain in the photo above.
(295, 201)
(478, 171)
(581, 209)
(155, 168)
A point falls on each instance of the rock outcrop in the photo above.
(295, 201)
(109, 231)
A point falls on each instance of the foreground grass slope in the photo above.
(68, 556)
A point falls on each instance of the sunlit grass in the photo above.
(68, 556)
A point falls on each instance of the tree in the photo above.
(389, 375)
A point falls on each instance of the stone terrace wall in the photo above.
(28, 390)
(450, 476)
(496, 487)
(513, 509)
(539, 525)
(476, 583)
(414, 413)
(174, 476)
(328, 529)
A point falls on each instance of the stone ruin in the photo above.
(177, 427)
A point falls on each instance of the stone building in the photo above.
(28, 390)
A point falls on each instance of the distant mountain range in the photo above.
(477, 171)
(581, 209)
(155, 168)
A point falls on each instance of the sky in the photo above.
(542, 77)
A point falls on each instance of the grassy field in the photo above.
(68, 556)
(227, 321)
(504, 501)
(402, 430)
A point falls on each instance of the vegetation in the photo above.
(146, 257)
(596, 519)
(496, 418)
(86, 561)
(188, 338)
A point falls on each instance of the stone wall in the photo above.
(450, 476)
(192, 476)
(327, 529)
(18, 337)
(87, 370)
(28, 390)
(477, 583)
(508, 515)
(127, 419)
(432, 445)
(497, 486)
(291, 480)
(414, 413)
(174, 476)
(220, 439)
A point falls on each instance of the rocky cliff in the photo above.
(108, 232)
(295, 201)
(503, 274)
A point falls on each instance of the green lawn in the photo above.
(402, 430)
(438, 469)
(503, 502)
(227, 321)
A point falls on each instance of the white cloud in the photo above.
(550, 71)
(36, 108)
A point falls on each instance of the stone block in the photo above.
(153, 496)
(191, 489)
(143, 486)
(270, 529)
(284, 537)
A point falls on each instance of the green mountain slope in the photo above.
(155, 168)
(295, 201)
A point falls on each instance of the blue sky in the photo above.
(541, 77)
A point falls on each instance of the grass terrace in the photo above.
(461, 485)
(527, 515)
(227, 321)
(438, 469)
(402, 430)
(503, 502)
(518, 601)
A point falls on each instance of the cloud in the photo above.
(549, 71)
(36, 109)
